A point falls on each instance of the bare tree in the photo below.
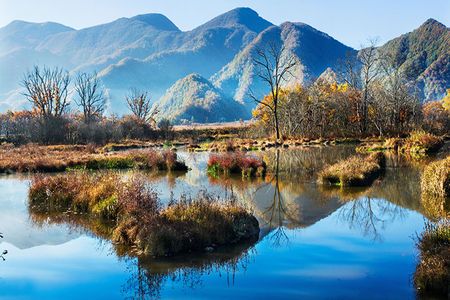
(140, 106)
(91, 98)
(273, 64)
(359, 72)
(370, 69)
(47, 90)
(402, 105)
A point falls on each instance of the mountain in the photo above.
(149, 52)
(315, 50)
(194, 98)
(21, 34)
(204, 50)
(424, 56)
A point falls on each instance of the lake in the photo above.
(314, 242)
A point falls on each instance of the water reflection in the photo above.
(307, 232)
(148, 275)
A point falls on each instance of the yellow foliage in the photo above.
(446, 101)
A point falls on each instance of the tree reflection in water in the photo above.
(279, 213)
(371, 209)
(149, 275)
(370, 215)
(2, 256)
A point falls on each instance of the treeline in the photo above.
(368, 95)
(77, 116)
(331, 110)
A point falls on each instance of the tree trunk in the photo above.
(277, 127)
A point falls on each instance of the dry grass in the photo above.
(236, 163)
(422, 142)
(432, 274)
(435, 186)
(140, 222)
(34, 158)
(419, 143)
(354, 171)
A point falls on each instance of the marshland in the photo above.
(234, 159)
(122, 232)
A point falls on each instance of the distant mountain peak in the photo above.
(432, 23)
(241, 16)
(195, 98)
(20, 24)
(158, 21)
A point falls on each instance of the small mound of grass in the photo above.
(236, 163)
(354, 171)
(432, 274)
(435, 186)
(140, 222)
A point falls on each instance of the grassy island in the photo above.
(354, 171)
(34, 158)
(137, 218)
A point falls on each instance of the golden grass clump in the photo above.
(139, 221)
(354, 171)
(432, 274)
(435, 186)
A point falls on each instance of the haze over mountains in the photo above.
(150, 52)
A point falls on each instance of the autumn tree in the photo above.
(273, 65)
(446, 101)
(90, 96)
(436, 115)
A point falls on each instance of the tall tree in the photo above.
(370, 69)
(47, 90)
(273, 64)
(91, 98)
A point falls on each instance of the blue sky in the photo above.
(350, 21)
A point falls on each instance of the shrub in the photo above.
(433, 271)
(354, 171)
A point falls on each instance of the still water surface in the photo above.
(315, 243)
